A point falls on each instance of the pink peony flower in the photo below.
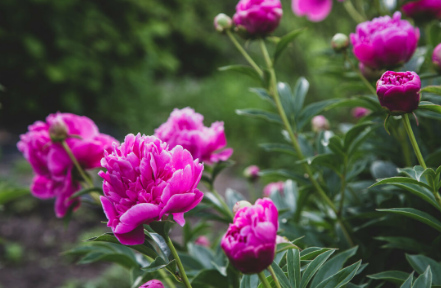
(319, 123)
(273, 186)
(145, 180)
(152, 284)
(50, 161)
(429, 9)
(359, 112)
(251, 172)
(250, 242)
(203, 241)
(385, 42)
(186, 128)
(315, 10)
(258, 17)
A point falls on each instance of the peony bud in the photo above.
(250, 242)
(222, 22)
(319, 123)
(258, 17)
(423, 9)
(203, 241)
(239, 205)
(152, 284)
(399, 92)
(339, 42)
(273, 186)
(359, 112)
(436, 58)
(58, 130)
(251, 172)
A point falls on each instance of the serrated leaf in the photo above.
(313, 267)
(245, 70)
(341, 278)
(396, 277)
(284, 41)
(420, 263)
(417, 215)
(256, 113)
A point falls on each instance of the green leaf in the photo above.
(354, 132)
(305, 116)
(401, 180)
(362, 101)
(300, 91)
(331, 161)
(420, 263)
(263, 93)
(249, 281)
(210, 278)
(278, 147)
(219, 167)
(424, 105)
(87, 191)
(157, 264)
(341, 278)
(396, 277)
(232, 197)
(201, 254)
(162, 227)
(311, 252)
(246, 70)
(280, 275)
(284, 41)
(293, 259)
(211, 199)
(430, 89)
(284, 173)
(287, 99)
(272, 117)
(425, 279)
(8, 194)
(333, 266)
(403, 243)
(408, 282)
(417, 215)
(313, 267)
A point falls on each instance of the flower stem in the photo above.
(365, 81)
(262, 278)
(221, 200)
(353, 12)
(178, 261)
(273, 92)
(244, 53)
(343, 188)
(276, 281)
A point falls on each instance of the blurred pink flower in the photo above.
(250, 242)
(50, 161)
(273, 186)
(436, 57)
(145, 180)
(429, 9)
(319, 123)
(185, 127)
(203, 241)
(315, 10)
(359, 112)
(251, 172)
(152, 284)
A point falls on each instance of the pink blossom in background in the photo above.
(273, 186)
(152, 284)
(385, 42)
(51, 163)
(314, 10)
(359, 112)
(429, 9)
(258, 17)
(185, 127)
(203, 241)
(319, 123)
(250, 242)
(436, 57)
(146, 180)
(251, 172)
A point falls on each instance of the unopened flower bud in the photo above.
(399, 92)
(203, 241)
(251, 172)
(58, 130)
(359, 112)
(319, 123)
(240, 205)
(339, 42)
(222, 22)
(436, 58)
(152, 284)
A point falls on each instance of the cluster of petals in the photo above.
(258, 17)
(55, 173)
(423, 9)
(250, 242)
(145, 181)
(385, 42)
(273, 186)
(186, 128)
(314, 10)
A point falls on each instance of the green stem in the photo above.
(276, 281)
(178, 261)
(353, 12)
(244, 53)
(219, 197)
(262, 278)
(252, 190)
(273, 91)
(405, 146)
(356, 70)
(343, 188)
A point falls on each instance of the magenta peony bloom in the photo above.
(399, 92)
(385, 42)
(436, 57)
(186, 128)
(145, 180)
(315, 10)
(359, 112)
(203, 241)
(251, 172)
(152, 284)
(319, 123)
(50, 161)
(250, 242)
(258, 17)
(427, 9)
(273, 186)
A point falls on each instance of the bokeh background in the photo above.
(127, 64)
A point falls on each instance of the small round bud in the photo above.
(58, 130)
(339, 42)
(251, 172)
(436, 58)
(222, 22)
(240, 205)
(319, 123)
